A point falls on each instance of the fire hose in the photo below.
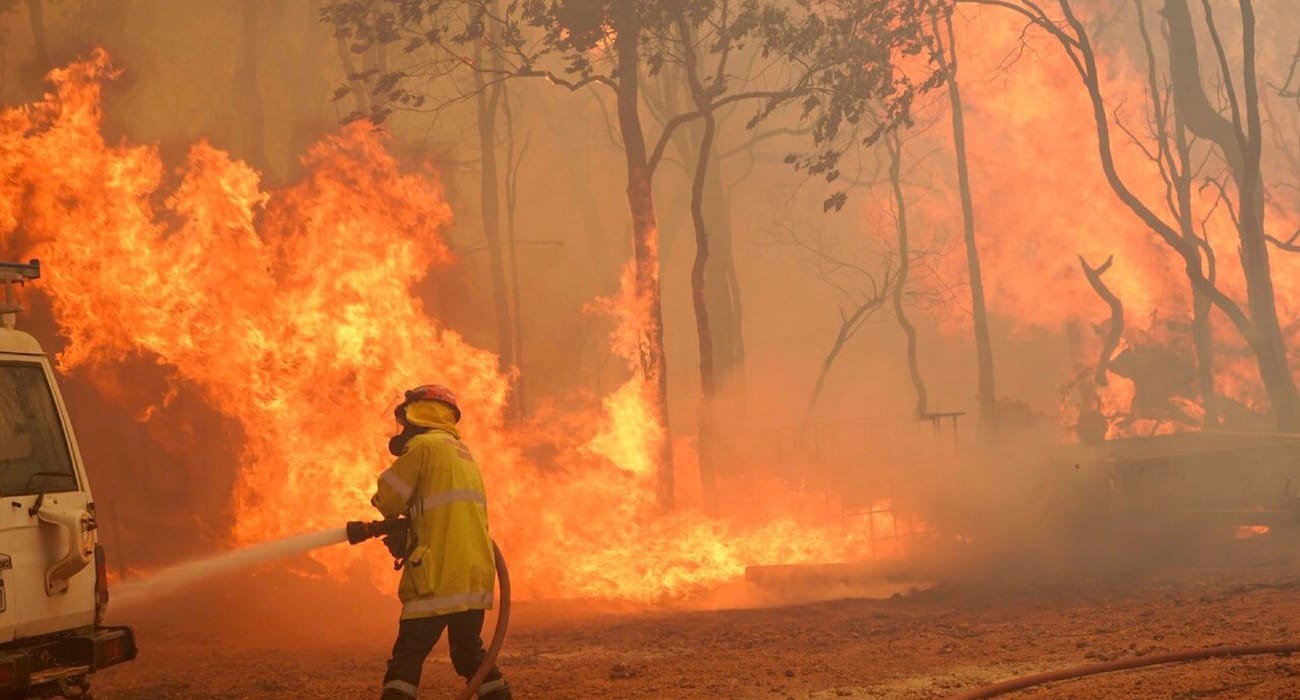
(1029, 681)
(393, 532)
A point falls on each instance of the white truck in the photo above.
(53, 578)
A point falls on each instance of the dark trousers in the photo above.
(415, 639)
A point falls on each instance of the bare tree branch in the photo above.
(671, 125)
(1116, 329)
(1222, 198)
(1288, 245)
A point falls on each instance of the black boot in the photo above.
(501, 692)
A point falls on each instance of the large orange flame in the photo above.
(292, 311)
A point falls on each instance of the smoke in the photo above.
(1039, 203)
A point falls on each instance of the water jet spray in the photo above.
(174, 578)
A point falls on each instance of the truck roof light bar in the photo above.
(12, 273)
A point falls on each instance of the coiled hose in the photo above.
(1023, 682)
(498, 635)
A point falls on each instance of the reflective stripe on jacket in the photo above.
(437, 482)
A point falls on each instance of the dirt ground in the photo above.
(269, 635)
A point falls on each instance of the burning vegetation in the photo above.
(289, 308)
(1078, 220)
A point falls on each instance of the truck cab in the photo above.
(53, 577)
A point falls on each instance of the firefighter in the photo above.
(449, 569)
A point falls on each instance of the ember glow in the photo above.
(1245, 532)
(292, 311)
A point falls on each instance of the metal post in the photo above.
(9, 312)
(11, 274)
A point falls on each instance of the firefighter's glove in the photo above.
(399, 541)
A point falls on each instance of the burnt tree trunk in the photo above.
(1240, 140)
(1115, 331)
(375, 62)
(895, 147)
(1176, 153)
(1202, 340)
(487, 101)
(723, 295)
(36, 16)
(512, 245)
(726, 321)
(699, 300)
(356, 86)
(699, 285)
(304, 115)
(248, 95)
(645, 240)
(979, 311)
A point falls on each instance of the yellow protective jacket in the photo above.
(438, 485)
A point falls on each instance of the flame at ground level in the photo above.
(292, 311)
(1245, 532)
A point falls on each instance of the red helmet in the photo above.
(432, 392)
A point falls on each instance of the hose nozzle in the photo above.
(359, 530)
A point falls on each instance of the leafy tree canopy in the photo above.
(850, 68)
